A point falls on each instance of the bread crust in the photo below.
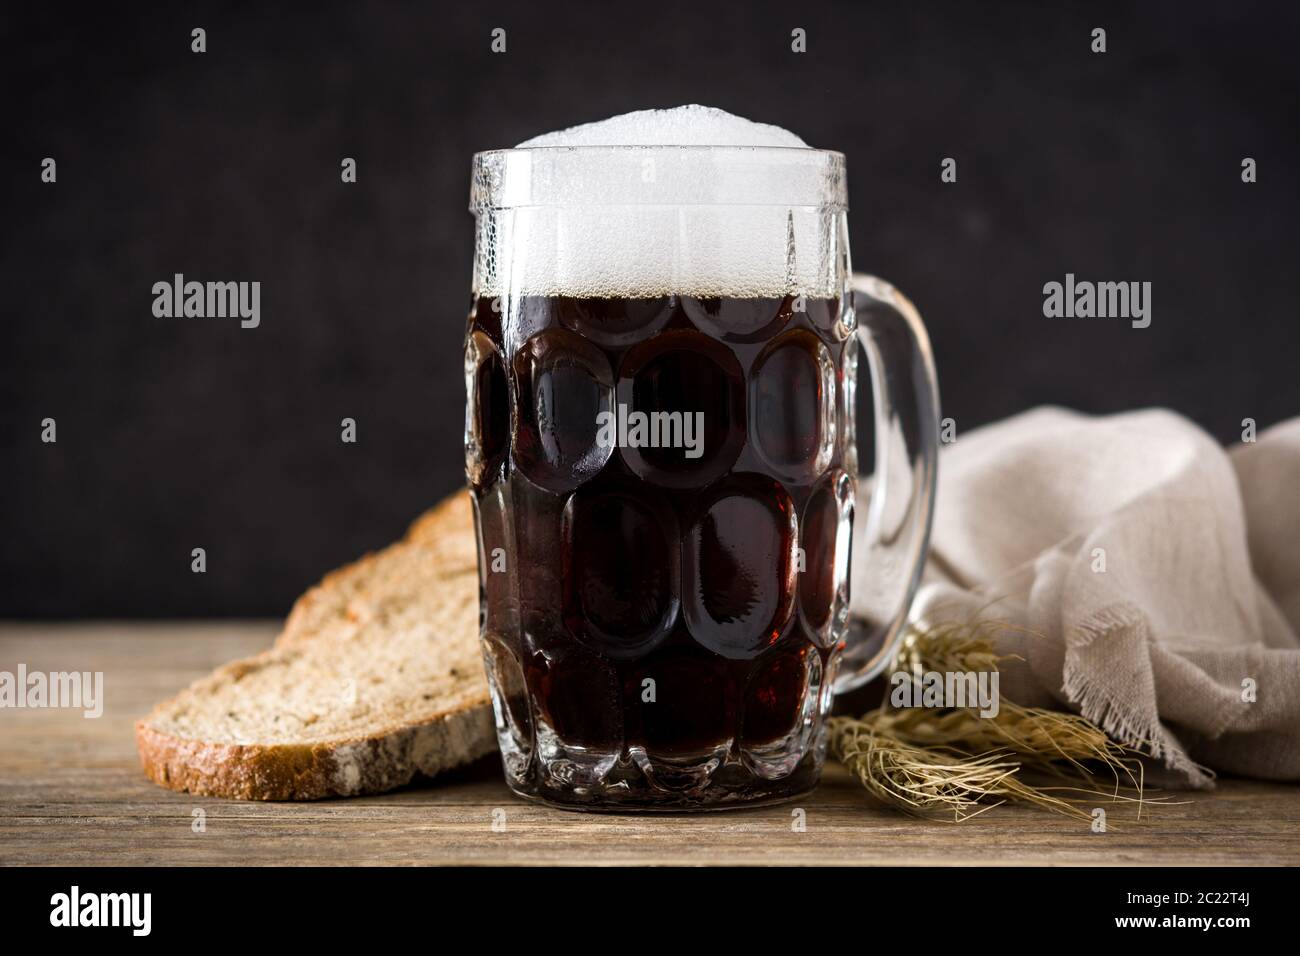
(271, 772)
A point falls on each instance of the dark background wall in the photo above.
(174, 434)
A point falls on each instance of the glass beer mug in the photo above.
(663, 443)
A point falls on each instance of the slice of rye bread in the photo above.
(376, 677)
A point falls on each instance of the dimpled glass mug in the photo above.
(662, 444)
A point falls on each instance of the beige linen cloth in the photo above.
(1159, 573)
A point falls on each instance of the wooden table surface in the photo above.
(71, 792)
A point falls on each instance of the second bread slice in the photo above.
(377, 677)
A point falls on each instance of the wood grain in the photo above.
(71, 792)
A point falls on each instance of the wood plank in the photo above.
(71, 792)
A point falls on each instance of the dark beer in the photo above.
(663, 511)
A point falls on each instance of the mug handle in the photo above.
(889, 546)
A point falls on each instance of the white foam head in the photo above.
(692, 201)
(682, 126)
